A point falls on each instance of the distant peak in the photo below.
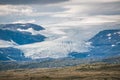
(15, 26)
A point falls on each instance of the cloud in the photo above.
(76, 8)
(23, 2)
(69, 11)
(88, 21)
(25, 21)
(87, 12)
(100, 19)
(26, 10)
(19, 10)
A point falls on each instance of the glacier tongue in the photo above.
(59, 43)
(56, 45)
(57, 48)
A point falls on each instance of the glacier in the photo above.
(57, 42)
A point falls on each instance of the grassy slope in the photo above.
(98, 71)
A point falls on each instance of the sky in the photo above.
(60, 12)
(64, 20)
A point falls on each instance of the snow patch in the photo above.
(109, 38)
(31, 30)
(108, 34)
(112, 45)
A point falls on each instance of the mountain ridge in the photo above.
(105, 44)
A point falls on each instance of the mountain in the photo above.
(12, 35)
(12, 32)
(106, 37)
(105, 44)
(21, 26)
(21, 42)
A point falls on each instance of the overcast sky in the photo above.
(60, 12)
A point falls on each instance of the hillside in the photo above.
(96, 71)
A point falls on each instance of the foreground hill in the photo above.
(52, 63)
(96, 71)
